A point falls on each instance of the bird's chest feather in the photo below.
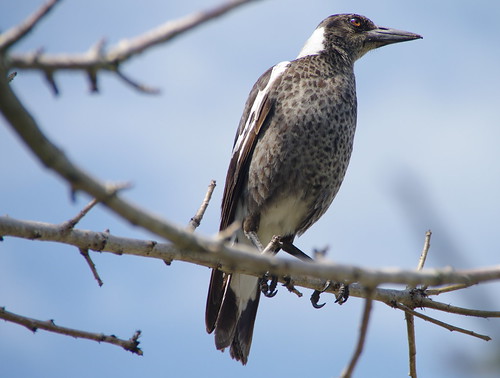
(305, 147)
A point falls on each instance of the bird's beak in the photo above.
(385, 36)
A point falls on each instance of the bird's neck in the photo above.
(339, 59)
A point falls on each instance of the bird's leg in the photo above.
(290, 248)
(268, 289)
(254, 239)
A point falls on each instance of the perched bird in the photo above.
(290, 155)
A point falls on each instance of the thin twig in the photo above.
(71, 223)
(16, 33)
(136, 85)
(195, 221)
(49, 78)
(427, 302)
(85, 253)
(443, 324)
(412, 346)
(347, 372)
(425, 250)
(447, 289)
(132, 344)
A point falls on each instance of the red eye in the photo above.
(355, 22)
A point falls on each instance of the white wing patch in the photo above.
(253, 115)
(315, 44)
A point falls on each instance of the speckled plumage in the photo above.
(290, 155)
(303, 151)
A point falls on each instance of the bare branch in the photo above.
(347, 373)
(196, 220)
(54, 158)
(442, 324)
(132, 344)
(16, 33)
(163, 33)
(243, 259)
(97, 59)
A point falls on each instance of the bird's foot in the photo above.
(341, 297)
(268, 289)
(343, 294)
(317, 293)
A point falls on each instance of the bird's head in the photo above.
(352, 35)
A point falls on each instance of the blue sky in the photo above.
(426, 156)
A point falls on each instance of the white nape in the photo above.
(315, 44)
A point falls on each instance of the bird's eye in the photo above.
(355, 21)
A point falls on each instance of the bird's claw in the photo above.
(315, 299)
(268, 289)
(316, 294)
(343, 294)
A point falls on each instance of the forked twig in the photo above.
(410, 320)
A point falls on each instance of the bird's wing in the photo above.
(257, 108)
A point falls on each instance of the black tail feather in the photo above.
(214, 298)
